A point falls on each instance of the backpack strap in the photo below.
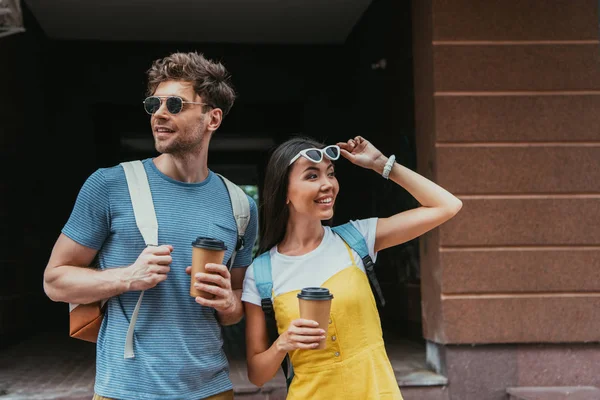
(145, 219)
(241, 213)
(357, 242)
(264, 283)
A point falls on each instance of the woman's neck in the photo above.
(301, 237)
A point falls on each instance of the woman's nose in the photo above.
(326, 183)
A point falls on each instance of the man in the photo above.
(177, 341)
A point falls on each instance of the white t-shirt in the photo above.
(314, 268)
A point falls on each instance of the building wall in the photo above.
(507, 99)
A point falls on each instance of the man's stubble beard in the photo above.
(183, 145)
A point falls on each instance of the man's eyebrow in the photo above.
(184, 98)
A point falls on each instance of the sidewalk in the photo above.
(47, 368)
(56, 367)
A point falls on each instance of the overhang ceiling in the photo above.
(201, 21)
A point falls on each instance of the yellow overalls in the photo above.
(354, 365)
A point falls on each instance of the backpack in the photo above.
(85, 319)
(264, 284)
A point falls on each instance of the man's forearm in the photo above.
(80, 285)
(235, 314)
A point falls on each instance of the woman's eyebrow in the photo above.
(311, 168)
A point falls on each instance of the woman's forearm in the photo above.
(262, 367)
(426, 192)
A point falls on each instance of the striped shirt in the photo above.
(177, 342)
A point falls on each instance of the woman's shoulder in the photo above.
(364, 226)
(262, 257)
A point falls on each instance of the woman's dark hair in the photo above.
(275, 214)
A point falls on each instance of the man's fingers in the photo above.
(158, 278)
(216, 304)
(218, 280)
(163, 260)
(205, 302)
(219, 269)
(160, 269)
(164, 249)
(188, 270)
(217, 291)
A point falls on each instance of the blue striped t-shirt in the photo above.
(177, 342)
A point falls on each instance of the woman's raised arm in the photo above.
(437, 204)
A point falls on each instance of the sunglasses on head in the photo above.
(174, 104)
(316, 155)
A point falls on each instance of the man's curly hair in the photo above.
(210, 79)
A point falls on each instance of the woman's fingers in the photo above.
(307, 331)
(351, 144)
(346, 154)
(306, 339)
(300, 322)
(306, 346)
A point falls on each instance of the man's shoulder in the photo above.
(105, 179)
(111, 172)
(116, 173)
(221, 183)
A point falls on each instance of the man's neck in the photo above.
(188, 168)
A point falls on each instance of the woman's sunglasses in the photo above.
(174, 104)
(316, 155)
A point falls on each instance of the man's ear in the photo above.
(215, 118)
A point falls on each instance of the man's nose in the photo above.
(162, 111)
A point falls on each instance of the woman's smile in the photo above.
(326, 201)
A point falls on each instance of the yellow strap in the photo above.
(350, 253)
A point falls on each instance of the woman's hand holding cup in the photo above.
(301, 334)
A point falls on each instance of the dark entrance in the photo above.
(74, 106)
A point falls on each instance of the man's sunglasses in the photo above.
(316, 155)
(174, 104)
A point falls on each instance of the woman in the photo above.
(299, 194)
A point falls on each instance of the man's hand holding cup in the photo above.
(214, 287)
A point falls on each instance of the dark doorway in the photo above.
(89, 115)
